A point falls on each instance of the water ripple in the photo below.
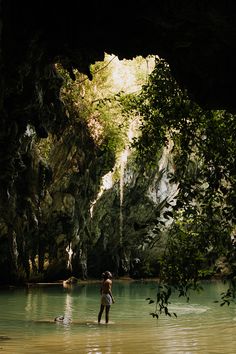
(27, 321)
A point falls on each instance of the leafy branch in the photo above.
(162, 302)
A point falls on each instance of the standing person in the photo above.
(106, 295)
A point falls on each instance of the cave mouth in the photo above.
(197, 40)
(38, 191)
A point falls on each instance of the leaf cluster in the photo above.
(204, 168)
(94, 102)
(162, 302)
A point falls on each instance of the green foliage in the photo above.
(115, 124)
(100, 102)
(160, 104)
(163, 295)
(44, 147)
(204, 168)
(162, 302)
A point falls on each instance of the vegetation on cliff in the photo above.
(203, 219)
(169, 210)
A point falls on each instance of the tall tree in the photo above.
(204, 153)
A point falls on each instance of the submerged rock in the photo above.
(62, 319)
(4, 338)
(70, 281)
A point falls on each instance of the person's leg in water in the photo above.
(107, 313)
(100, 313)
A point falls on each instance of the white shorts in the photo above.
(106, 300)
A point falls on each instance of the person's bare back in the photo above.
(106, 295)
(106, 287)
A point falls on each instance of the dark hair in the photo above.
(107, 274)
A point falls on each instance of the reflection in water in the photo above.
(68, 306)
(27, 318)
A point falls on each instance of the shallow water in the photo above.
(27, 321)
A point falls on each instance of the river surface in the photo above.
(27, 321)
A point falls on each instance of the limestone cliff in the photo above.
(196, 38)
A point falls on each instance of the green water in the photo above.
(27, 321)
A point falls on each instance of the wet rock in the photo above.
(70, 281)
(2, 338)
(62, 319)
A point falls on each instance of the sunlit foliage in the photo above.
(99, 101)
(204, 157)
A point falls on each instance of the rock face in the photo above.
(197, 39)
(125, 217)
(77, 166)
